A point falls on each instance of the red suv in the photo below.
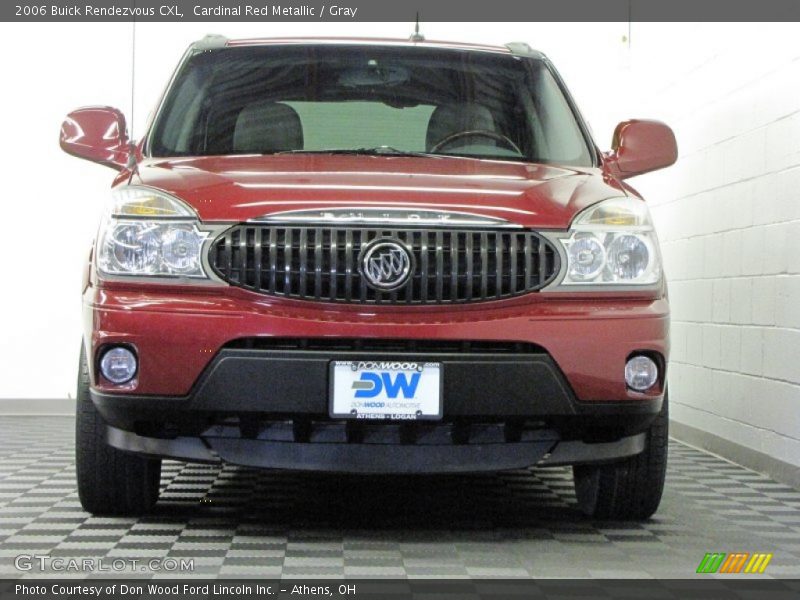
(372, 256)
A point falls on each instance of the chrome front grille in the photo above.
(324, 263)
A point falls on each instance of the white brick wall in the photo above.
(728, 216)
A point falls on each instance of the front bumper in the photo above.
(263, 386)
(389, 455)
(178, 332)
(268, 408)
(232, 377)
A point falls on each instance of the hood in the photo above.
(238, 188)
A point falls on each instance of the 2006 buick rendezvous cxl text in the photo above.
(372, 256)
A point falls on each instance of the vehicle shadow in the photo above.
(474, 502)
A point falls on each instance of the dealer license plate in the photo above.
(394, 390)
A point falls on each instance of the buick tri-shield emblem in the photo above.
(386, 264)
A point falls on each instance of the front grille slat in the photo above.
(303, 261)
(513, 267)
(423, 276)
(333, 273)
(242, 256)
(273, 258)
(287, 260)
(258, 266)
(528, 265)
(317, 264)
(362, 288)
(484, 249)
(348, 265)
(439, 275)
(455, 259)
(470, 273)
(321, 262)
(229, 255)
(542, 254)
(498, 264)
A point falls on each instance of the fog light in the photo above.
(118, 365)
(641, 373)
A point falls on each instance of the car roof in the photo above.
(218, 41)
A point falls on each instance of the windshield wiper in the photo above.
(389, 151)
(375, 151)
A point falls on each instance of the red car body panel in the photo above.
(590, 335)
(238, 188)
(589, 338)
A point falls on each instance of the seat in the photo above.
(448, 119)
(264, 127)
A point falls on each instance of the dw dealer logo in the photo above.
(732, 564)
(372, 384)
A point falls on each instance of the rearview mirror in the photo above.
(98, 134)
(374, 75)
(641, 146)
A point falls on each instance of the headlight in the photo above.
(149, 233)
(587, 257)
(613, 243)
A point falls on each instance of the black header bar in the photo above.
(400, 10)
(741, 588)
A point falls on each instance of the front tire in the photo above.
(629, 489)
(110, 482)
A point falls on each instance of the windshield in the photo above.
(370, 99)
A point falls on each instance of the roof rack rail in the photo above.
(211, 41)
(523, 49)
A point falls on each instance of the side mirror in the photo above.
(98, 134)
(641, 146)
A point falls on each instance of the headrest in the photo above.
(264, 127)
(454, 118)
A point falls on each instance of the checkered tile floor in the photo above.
(238, 522)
